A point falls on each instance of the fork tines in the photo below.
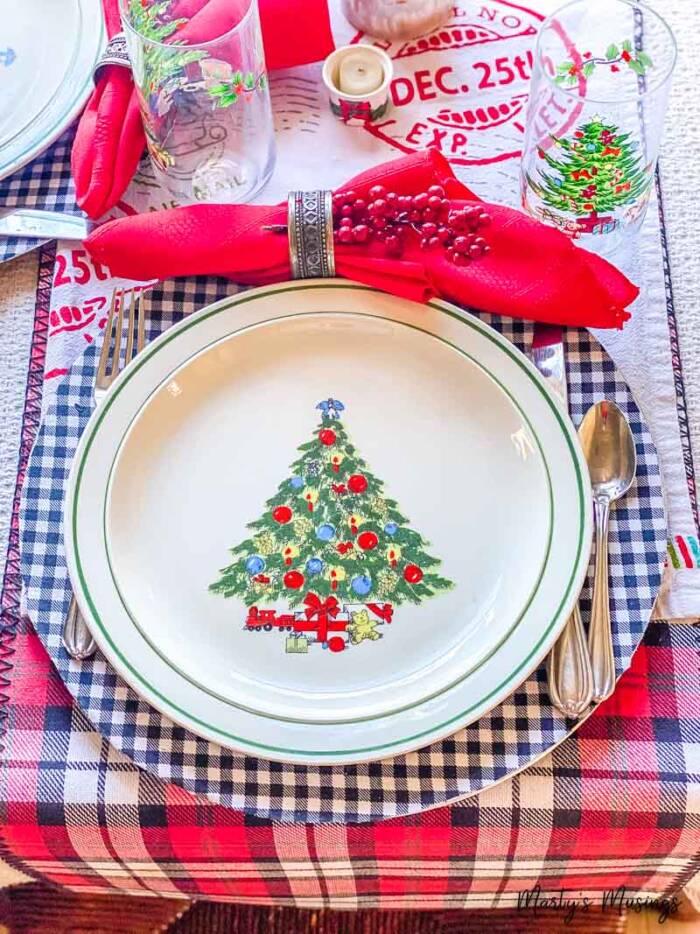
(110, 362)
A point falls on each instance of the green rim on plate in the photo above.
(149, 352)
(68, 110)
(394, 710)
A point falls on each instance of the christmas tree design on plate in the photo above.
(600, 170)
(333, 546)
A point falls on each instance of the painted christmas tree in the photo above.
(330, 536)
(600, 171)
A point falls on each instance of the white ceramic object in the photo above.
(198, 434)
(48, 51)
(397, 19)
(357, 108)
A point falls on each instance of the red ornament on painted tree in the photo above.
(367, 541)
(413, 574)
(288, 556)
(294, 580)
(357, 483)
(282, 514)
(326, 436)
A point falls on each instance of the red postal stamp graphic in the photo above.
(463, 89)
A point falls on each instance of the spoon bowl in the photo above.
(608, 445)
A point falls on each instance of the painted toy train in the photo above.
(325, 623)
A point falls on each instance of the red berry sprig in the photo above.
(465, 243)
(386, 216)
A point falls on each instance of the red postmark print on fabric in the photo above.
(462, 89)
(75, 318)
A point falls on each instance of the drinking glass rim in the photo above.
(572, 92)
(252, 4)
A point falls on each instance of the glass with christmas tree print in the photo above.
(600, 82)
(203, 95)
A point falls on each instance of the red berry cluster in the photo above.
(386, 217)
(464, 243)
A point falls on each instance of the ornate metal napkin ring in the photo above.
(310, 233)
(115, 53)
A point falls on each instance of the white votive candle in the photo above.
(360, 73)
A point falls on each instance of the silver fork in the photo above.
(77, 639)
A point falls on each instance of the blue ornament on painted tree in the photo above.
(391, 528)
(331, 408)
(362, 584)
(297, 483)
(255, 565)
(325, 532)
(314, 566)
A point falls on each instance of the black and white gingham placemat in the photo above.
(504, 741)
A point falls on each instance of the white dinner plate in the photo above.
(328, 584)
(48, 51)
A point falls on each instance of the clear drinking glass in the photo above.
(598, 96)
(205, 105)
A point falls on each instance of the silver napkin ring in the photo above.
(115, 53)
(310, 233)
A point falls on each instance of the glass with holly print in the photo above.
(598, 96)
(333, 547)
(199, 72)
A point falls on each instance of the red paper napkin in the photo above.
(532, 271)
(109, 140)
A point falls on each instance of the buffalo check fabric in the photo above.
(509, 738)
(44, 184)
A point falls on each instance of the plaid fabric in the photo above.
(509, 738)
(44, 184)
(617, 804)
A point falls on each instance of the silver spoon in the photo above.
(608, 446)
